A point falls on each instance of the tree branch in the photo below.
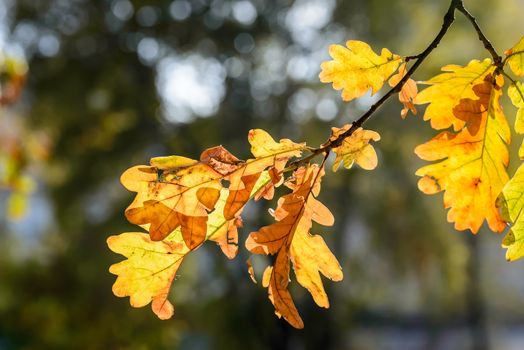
(448, 20)
(497, 59)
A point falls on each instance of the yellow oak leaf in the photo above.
(472, 167)
(147, 274)
(515, 58)
(447, 89)
(355, 148)
(407, 93)
(263, 146)
(516, 94)
(173, 197)
(291, 240)
(357, 68)
(511, 202)
(151, 266)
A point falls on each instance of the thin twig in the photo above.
(448, 20)
(487, 44)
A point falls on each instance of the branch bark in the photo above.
(497, 59)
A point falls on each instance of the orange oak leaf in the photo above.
(170, 197)
(177, 191)
(407, 93)
(291, 240)
(357, 68)
(473, 162)
(355, 148)
(446, 90)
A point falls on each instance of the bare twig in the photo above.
(497, 59)
(448, 20)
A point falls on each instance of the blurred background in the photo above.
(90, 88)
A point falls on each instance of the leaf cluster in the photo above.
(182, 202)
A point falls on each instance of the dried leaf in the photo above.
(224, 231)
(407, 93)
(146, 276)
(291, 240)
(167, 199)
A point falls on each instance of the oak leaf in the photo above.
(357, 68)
(515, 58)
(516, 94)
(511, 202)
(447, 89)
(169, 197)
(355, 148)
(151, 266)
(472, 167)
(290, 239)
(147, 274)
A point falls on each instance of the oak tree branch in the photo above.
(448, 20)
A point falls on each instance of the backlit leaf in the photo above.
(290, 239)
(171, 198)
(446, 90)
(224, 231)
(151, 266)
(516, 94)
(147, 273)
(472, 163)
(355, 148)
(511, 201)
(357, 68)
(515, 58)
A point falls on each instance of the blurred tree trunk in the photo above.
(476, 314)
